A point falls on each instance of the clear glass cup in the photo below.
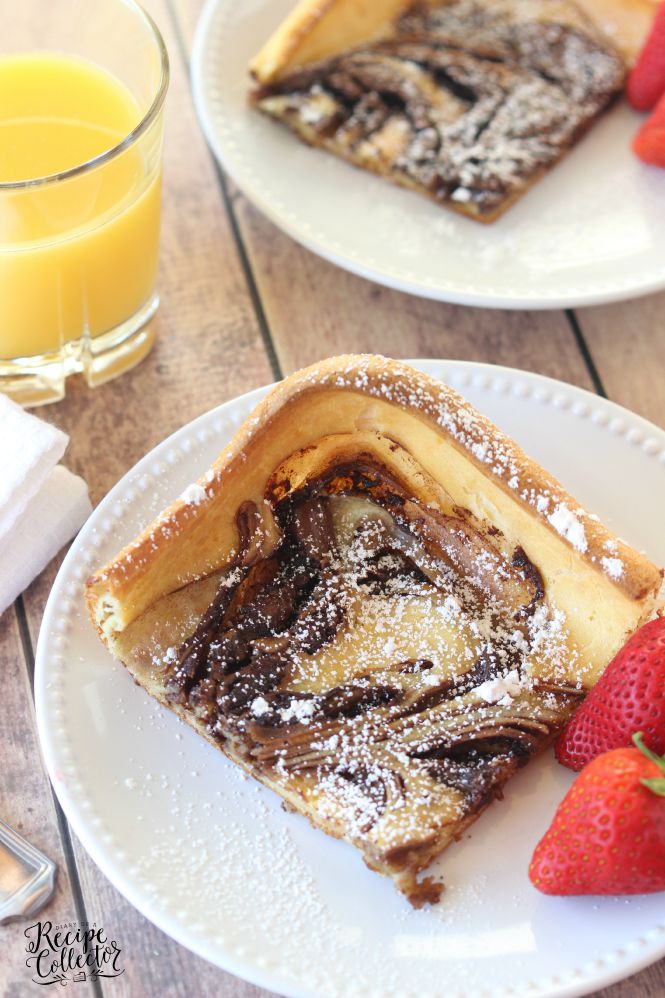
(79, 247)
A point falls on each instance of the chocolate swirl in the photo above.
(467, 101)
(377, 737)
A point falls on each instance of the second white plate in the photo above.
(589, 232)
(209, 856)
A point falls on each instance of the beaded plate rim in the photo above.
(57, 631)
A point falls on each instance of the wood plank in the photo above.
(329, 311)
(627, 344)
(649, 983)
(27, 805)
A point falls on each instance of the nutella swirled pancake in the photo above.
(376, 604)
(468, 102)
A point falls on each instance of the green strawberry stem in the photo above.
(657, 785)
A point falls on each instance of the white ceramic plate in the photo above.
(589, 232)
(210, 856)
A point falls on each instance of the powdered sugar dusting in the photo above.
(259, 707)
(193, 494)
(401, 385)
(613, 566)
(567, 523)
(501, 690)
(471, 124)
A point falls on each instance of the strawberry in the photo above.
(649, 143)
(608, 833)
(629, 696)
(646, 82)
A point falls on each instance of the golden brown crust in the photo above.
(626, 22)
(319, 29)
(192, 540)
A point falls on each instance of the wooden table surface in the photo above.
(243, 305)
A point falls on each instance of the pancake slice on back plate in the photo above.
(468, 102)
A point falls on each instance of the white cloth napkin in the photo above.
(42, 505)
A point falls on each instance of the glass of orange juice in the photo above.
(82, 91)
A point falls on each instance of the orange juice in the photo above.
(78, 257)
